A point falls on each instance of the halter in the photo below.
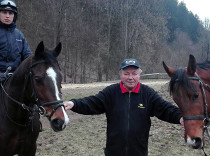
(205, 118)
(42, 111)
(39, 107)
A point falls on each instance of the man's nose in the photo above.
(7, 14)
(130, 76)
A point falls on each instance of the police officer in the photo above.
(13, 45)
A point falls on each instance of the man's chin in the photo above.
(131, 87)
(7, 23)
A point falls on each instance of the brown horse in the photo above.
(191, 91)
(33, 89)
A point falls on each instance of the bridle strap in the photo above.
(205, 127)
(24, 106)
(41, 106)
(36, 63)
(199, 117)
(57, 104)
(54, 109)
(8, 116)
(46, 104)
(204, 117)
(194, 117)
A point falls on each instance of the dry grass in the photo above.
(85, 135)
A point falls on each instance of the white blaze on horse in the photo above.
(33, 89)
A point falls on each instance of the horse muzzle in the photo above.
(57, 124)
(195, 143)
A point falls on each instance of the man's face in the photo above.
(6, 17)
(130, 77)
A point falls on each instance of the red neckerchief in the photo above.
(124, 90)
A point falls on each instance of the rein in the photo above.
(31, 110)
(205, 117)
(39, 107)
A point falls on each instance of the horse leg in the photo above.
(28, 151)
(29, 147)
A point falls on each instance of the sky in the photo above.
(199, 7)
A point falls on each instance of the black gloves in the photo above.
(3, 76)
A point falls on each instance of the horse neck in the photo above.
(14, 87)
(17, 85)
(204, 75)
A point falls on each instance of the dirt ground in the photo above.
(85, 135)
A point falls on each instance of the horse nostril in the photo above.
(197, 143)
(57, 124)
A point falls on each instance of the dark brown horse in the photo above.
(33, 89)
(190, 89)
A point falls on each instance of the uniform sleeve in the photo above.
(90, 105)
(26, 50)
(162, 109)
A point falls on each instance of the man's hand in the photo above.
(3, 77)
(68, 105)
(181, 121)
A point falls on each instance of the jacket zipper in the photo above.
(128, 124)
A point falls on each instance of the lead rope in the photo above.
(206, 119)
(204, 152)
(205, 127)
(204, 96)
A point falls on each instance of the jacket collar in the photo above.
(124, 90)
(11, 26)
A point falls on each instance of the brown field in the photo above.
(85, 135)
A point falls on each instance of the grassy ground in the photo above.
(85, 135)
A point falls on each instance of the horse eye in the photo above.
(195, 96)
(38, 79)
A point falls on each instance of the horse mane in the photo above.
(179, 79)
(203, 66)
(48, 56)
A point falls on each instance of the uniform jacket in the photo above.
(13, 47)
(128, 116)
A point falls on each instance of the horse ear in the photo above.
(169, 70)
(191, 68)
(39, 52)
(57, 50)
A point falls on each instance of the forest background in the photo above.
(96, 35)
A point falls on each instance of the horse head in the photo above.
(34, 89)
(46, 83)
(188, 89)
(39, 76)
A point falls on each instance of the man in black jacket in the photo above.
(128, 106)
